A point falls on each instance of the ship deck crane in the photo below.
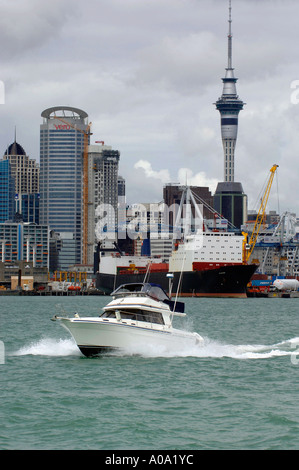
(249, 247)
(86, 133)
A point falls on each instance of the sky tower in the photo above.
(229, 105)
(229, 198)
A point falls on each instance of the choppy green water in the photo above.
(239, 391)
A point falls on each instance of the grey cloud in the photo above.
(148, 72)
(28, 25)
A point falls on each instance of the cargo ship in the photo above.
(206, 264)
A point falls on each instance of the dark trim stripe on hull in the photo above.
(90, 351)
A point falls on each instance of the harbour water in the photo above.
(238, 391)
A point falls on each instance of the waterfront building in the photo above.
(25, 172)
(62, 251)
(103, 187)
(23, 275)
(121, 187)
(7, 185)
(229, 199)
(122, 208)
(61, 167)
(172, 195)
(149, 234)
(24, 241)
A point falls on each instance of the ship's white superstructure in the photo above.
(211, 248)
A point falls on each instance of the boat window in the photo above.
(142, 315)
(152, 317)
(109, 314)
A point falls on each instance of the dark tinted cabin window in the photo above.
(140, 315)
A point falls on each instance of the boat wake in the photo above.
(209, 349)
(247, 351)
(215, 349)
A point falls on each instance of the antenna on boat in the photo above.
(170, 283)
(114, 283)
(179, 286)
(147, 272)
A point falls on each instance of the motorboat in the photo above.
(140, 314)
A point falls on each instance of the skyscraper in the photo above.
(25, 172)
(7, 188)
(229, 199)
(102, 190)
(229, 105)
(61, 152)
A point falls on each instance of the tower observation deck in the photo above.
(229, 105)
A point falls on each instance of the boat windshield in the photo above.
(152, 290)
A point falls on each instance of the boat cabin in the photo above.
(153, 291)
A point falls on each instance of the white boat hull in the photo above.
(97, 336)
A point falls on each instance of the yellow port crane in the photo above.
(249, 247)
(86, 134)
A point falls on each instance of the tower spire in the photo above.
(229, 105)
(230, 37)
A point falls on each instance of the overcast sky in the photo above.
(147, 72)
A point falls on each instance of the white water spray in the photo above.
(209, 349)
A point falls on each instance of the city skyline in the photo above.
(148, 79)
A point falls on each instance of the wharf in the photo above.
(284, 294)
(49, 293)
(275, 295)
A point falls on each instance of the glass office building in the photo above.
(103, 191)
(61, 167)
(7, 191)
(27, 206)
